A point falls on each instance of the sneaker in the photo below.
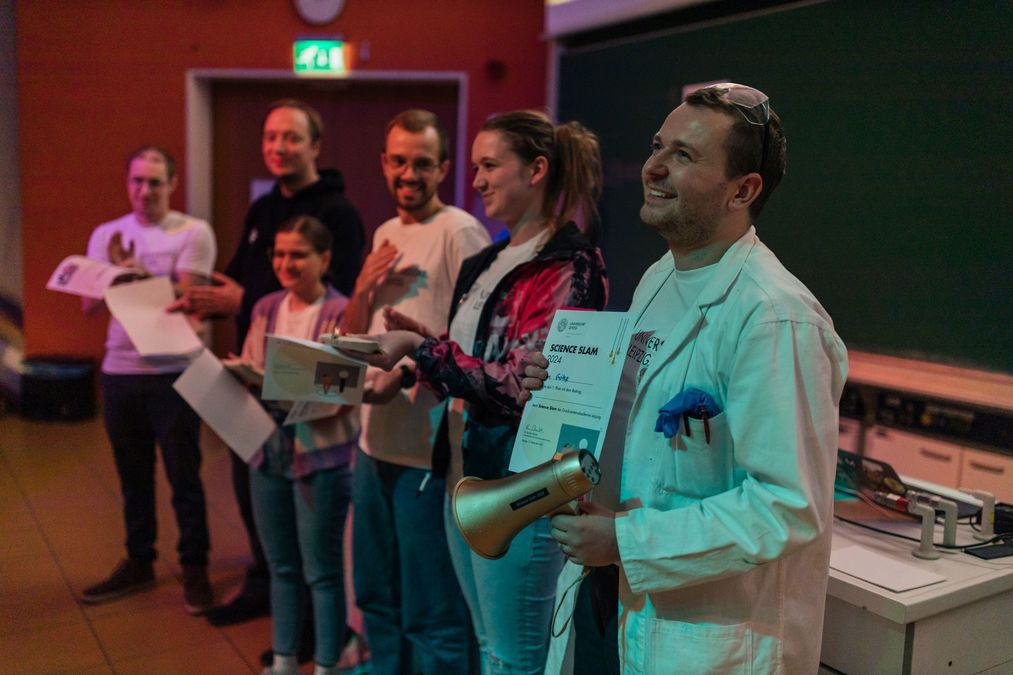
(129, 577)
(197, 596)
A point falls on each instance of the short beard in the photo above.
(422, 205)
(691, 226)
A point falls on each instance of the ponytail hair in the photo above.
(574, 179)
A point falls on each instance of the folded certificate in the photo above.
(140, 307)
(83, 276)
(225, 405)
(586, 351)
(302, 370)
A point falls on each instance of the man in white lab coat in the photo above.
(720, 521)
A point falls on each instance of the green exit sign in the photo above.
(318, 57)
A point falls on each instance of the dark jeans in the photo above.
(140, 410)
(241, 488)
(596, 624)
(404, 581)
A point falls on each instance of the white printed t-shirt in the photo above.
(420, 286)
(179, 243)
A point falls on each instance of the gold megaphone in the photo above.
(490, 513)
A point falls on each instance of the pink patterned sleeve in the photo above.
(519, 325)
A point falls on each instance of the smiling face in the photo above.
(298, 266)
(149, 186)
(686, 188)
(413, 171)
(503, 180)
(289, 152)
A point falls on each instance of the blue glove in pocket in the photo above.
(692, 402)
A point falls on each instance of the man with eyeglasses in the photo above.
(140, 406)
(718, 464)
(404, 581)
(290, 145)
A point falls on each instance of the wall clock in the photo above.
(319, 12)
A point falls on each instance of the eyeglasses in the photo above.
(754, 106)
(398, 164)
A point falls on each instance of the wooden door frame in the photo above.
(199, 130)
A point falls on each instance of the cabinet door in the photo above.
(915, 456)
(988, 471)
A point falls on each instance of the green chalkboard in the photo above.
(896, 209)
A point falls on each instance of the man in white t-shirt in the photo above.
(404, 580)
(140, 405)
(722, 446)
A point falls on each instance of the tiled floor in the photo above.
(61, 530)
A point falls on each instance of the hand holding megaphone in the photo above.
(588, 538)
(490, 513)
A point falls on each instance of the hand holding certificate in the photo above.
(88, 278)
(246, 373)
(585, 351)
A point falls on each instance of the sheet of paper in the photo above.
(586, 351)
(307, 411)
(881, 570)
(140, 307)
(225, 404)
(83, 276)
(302, 370)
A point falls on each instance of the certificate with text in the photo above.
(302, 370)
(586, 351)
(83, 276)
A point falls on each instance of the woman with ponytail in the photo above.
(536, 178)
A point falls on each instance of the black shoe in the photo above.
(253, 602)
(129, 577)
(197, 595)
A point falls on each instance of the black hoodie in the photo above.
(326, 200)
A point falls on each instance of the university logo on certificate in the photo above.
(586, 351)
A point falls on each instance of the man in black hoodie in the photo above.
(290, 146)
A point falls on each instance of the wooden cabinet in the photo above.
(941, 462)
(987, 471)
(915, 456)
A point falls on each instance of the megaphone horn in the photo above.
(490, 513)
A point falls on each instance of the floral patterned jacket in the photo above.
(567, 272)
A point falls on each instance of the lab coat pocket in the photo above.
(679, 647)
(698, 463)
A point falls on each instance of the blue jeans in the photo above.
(140, 410)
(511, 599)
(404, 581)
(301, 523)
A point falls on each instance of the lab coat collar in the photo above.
(728, 269)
